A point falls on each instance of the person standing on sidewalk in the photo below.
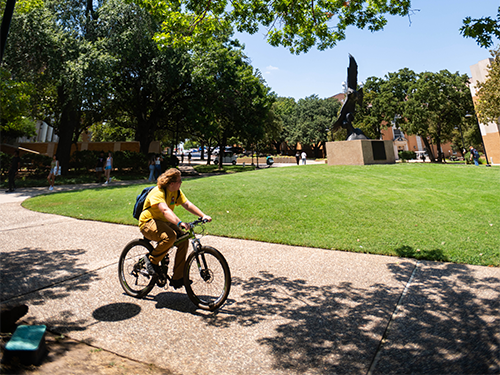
(297, 157)
(15, 165)
(107, 168)
(151, 165)
(304, 157)
(55, 170)
(158, 161)
(159, 223)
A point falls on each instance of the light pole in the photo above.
(463, 143)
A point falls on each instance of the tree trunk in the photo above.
(202, 151)
(222, 147)
(438, 146)
(70, 117)
(144, 135)
(429, 149)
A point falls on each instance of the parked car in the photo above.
(229, 157)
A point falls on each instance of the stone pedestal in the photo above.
(360, 152)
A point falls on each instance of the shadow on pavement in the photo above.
(448, 324)
(323, 329)
(29, 269)
(115, 312)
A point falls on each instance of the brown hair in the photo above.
(170, 176)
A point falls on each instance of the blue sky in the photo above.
(431, 42)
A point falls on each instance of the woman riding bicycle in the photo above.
(159, 223)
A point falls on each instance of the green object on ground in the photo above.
(26, 338)
(27, 344)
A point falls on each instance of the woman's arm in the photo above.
(171, 216)
(188, 206)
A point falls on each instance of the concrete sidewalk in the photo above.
(292, 310)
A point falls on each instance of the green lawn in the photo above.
(425, 211)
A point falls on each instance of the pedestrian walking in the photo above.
(474, 155)
(15, 165)
(55, 170)
(151, 165)
(304, 156)
(108, 167)
(158, 160)
(189, 158)
(297, 157)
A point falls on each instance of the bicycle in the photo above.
(207, 278)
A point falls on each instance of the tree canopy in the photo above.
(482, 29)
(488, 102)
(297, 25)
(431, 105)
(95, 63)
(16, 105)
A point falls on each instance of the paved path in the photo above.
(292, 310)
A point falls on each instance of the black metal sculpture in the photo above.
(348, 109)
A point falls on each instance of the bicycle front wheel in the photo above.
(134, 277)
(207, 278)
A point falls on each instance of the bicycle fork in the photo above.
(201, 262)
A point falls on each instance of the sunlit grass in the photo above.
(424, 211)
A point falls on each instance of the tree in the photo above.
(234, 100)
(383, 101)
(297, 25)
(482, 29)
(286, 110)
(436, 104)
(16, 105)
(488, 102)
(315, 117)
(52, 45)
(150, 88)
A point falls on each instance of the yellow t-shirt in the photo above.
(157, 196)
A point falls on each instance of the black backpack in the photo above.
(141, 198)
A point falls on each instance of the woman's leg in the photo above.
(151, 173)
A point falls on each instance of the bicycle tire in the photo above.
(131, 270)
(208, 286)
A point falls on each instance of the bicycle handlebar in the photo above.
(197, 222)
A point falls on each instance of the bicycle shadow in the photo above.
(179, 301)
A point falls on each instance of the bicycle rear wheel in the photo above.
(134, 277)
(207, 278)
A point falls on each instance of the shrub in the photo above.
(84, 159)
(130, 159)
(36, 163)
(407, 155)
(5, 160)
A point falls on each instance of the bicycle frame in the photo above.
(207, 277)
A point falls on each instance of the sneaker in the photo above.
(153, 269)
(176, 284)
